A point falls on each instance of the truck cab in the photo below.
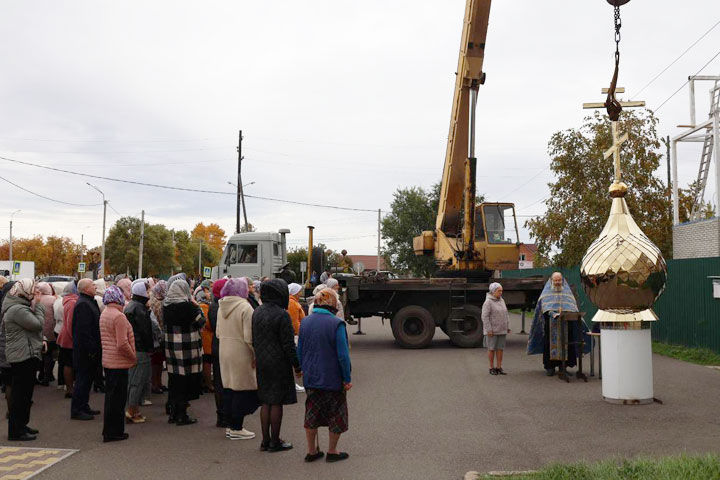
(253, 255)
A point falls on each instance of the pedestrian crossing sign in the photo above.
(16, 268)
(81, 267)
(206, 272)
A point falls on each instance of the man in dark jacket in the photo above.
(86, 349)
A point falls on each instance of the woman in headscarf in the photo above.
(325, 359)
(275, 359)
(183, 321)
(496, 326)
(23, 327)
(138, 315)
(296, 315)
(157, 295)
(47, 299)
(118, 355)
(64, 290)
(100, 287)
(334, 285)
(125, 285)
(217, 375)
(203, 296)
(237, 358)
(65, 339)
(5, 368)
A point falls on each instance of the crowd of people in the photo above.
(247, 342)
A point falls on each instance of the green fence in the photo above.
(689, 315)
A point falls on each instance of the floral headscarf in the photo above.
(326, 297)
(113, 294)
(235, 287)
(157, 295)
(24, 288)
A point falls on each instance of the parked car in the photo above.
(57, 278)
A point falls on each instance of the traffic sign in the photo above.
(81, 267)
(303, 266)
(207, 271)
(16, 268)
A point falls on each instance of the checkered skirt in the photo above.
(324, 408)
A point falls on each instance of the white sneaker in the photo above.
(146, 403)
(299, 389)
(239, 434)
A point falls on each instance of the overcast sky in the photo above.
(340, 103)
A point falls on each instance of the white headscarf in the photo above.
(294, 288)
(24, 288)
(494, 286)
(331, 282)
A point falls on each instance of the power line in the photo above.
(687, 81)
(678, 58)
(183, 189)
(48, 198)
(88, 140)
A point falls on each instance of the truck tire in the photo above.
(464, 327)
(413, 327)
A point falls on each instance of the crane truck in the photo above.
(470, 241)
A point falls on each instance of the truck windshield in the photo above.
(247, 253)
(500, 223)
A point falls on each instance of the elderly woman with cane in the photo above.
(496, 326)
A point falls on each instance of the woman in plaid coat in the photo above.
(183, 321)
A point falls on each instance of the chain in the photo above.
(618, 25)
(611, 104)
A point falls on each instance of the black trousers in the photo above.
(23, 385)
(116, 386)
(48, 362)
(81, 392)
(217, 384)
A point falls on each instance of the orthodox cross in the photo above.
(618, 139)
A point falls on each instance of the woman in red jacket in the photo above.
(118, 355)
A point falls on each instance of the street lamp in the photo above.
(102, 252)
(240, 199)
(12, 265)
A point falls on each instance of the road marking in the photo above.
(31, 460)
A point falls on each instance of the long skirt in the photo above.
(238, 404)
(325, 408)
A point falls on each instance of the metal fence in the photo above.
(689, 315)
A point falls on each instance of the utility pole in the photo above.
(12, 264)
(240, 193)
(101, 270)
(142, 238)
(200, 260)
(378, 252)
(82, 240)
(172, 264)
(669, 177)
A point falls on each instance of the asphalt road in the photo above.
(427, 414)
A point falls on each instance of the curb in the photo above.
(501, 473)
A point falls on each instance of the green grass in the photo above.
(700, 356)
(682, 467)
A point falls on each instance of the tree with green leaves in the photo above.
(412, 210)
(579, 203)
(122, 248)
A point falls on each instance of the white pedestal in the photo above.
(627, 366)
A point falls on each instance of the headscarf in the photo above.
(493, 287)
(320, 287)
(217, 288)
(235, 287)
(3, 281)
(140, 289)
(256, 285)
(157, 295)
(331, 282)
(325, 298)
(275, 292)
(176, 277)
(100, 287)
(179, 292)
(206, 284)
(160, 290)
(294, 288)
(114, 294)
(44, 288)
(24, 288)
(125, 285)
(70, 289)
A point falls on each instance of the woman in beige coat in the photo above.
(237, 357)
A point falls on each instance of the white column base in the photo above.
(627, 366)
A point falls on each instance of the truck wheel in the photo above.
(413, 327)
(464, 327)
